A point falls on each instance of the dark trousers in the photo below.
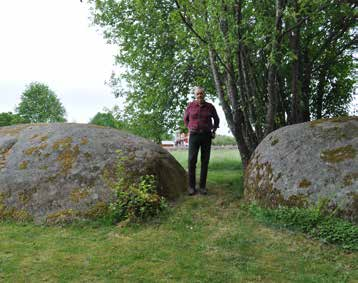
(196, 141)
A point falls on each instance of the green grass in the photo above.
(200, 239)
(225, 169)
(313, 221)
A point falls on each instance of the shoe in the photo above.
(203, 191)
(191, 191)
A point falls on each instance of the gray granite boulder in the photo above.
(59, 172)
(307, 164)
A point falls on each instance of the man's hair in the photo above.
(197, 89)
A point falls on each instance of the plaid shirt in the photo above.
(198, 118)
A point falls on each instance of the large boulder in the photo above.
(55, 172)
(308, 164)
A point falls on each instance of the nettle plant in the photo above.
(136, 198)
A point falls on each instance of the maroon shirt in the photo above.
(198, 118)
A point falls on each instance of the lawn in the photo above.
(199, 239)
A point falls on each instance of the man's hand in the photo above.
(213, 134)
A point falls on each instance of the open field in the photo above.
(199, 239)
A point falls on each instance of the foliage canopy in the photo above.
(140, 124)
(270, 63)
(8, 118)
(39, 104)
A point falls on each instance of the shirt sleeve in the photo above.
(216, 119)
(186, 117)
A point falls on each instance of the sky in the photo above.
(53, 42)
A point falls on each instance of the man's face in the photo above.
(200, 96)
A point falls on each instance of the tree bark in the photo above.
(294, 37)
(235, 121)
(295, 112)
(306, 79)
(272, 70)
(320, 93)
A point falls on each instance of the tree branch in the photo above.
(190, 26)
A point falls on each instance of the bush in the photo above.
(107, 120)
(135, 200)
(312, 221)
(8, 119)
(224, 140)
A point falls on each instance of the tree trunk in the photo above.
(271, 106)
(306, 79)
(320, 93)
(295, 113)
(234, 117)
(272, 70)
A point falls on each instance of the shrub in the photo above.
(135, 200)
(312, 221)
(8, 119)
(224, 140)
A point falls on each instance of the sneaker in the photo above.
(203, 191)
(191, 191)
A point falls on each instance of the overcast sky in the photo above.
(52, 41)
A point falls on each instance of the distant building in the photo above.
(181, 139)
(167, 144)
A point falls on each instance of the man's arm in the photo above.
(216, 119)
(186, 117)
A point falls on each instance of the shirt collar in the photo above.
(197, 103)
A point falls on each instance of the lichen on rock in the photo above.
(312, 161)
(304, 183)
(58, 172)
(338, 154)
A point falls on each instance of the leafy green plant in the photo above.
(313, 221)
(136, 200)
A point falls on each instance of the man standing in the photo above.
(198, 119)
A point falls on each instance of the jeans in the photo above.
(196, 141)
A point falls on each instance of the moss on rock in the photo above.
(109, 175)
(96, 211)
(304, 183)
(73, 166)
(275, 141)
(78, 194)
(84, 140)
(68, 154)
(62, 143)
(23, 164)
(100, 209)
(11, 213)
(333, 120)
(350, 178)
(299, 200)
(62, 216)
(338, 154)
(24, 197)
(13, 131)
(35, 149)
(312, 161)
